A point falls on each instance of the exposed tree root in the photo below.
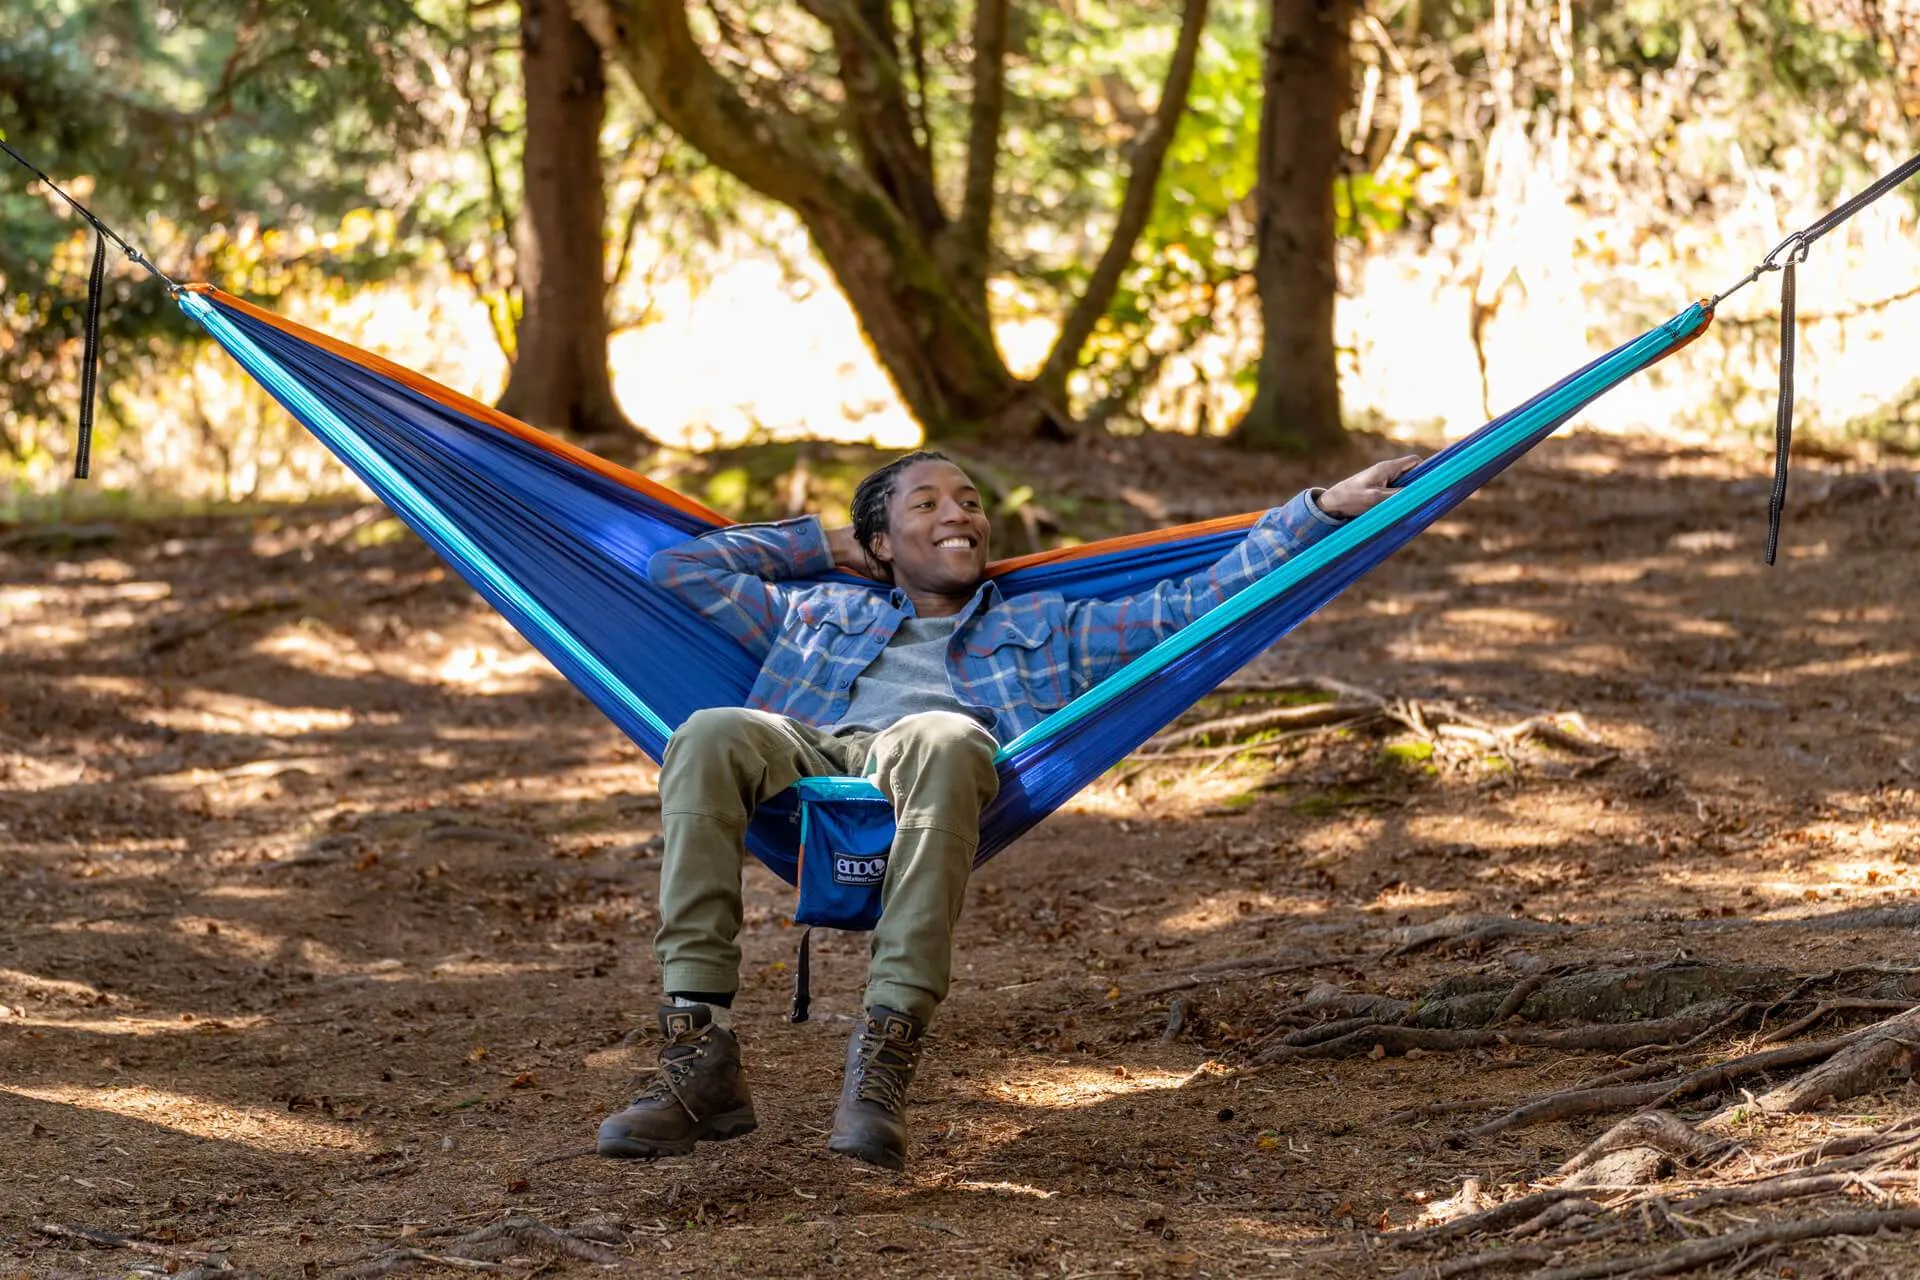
(1667, 1010)
(1242, 970)
(1609, 1189)
(1677, 1260)
(520, 1245)
(1312, 715)
(1640, 1149)
(1376, 1038)
(109, 1240)
(1467, 931)
(1345, 705)
(1862, 1067)
(1695, 1254)
(1586, 1102)
(1880, 1138)
(1542, 1212)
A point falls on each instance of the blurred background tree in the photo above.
(223, 136)
(1275, 217)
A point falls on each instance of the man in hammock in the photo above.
(915, 687)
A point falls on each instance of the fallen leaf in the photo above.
(516, 1185)
(524, 1080)
(1378, 1052)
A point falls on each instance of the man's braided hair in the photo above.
(874, 498)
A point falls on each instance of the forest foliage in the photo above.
(306, 155)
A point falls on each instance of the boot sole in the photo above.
(735, 1124)
(878, 1157)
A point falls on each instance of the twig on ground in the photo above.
(393, 1260)
(575, 1154)
(1176, 1020)
(108, 1240)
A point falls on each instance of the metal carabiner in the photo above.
(1795, 247)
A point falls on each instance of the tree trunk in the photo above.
(560, 379)
(1297, 405)
(915, 277)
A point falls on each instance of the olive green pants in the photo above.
(937, 768)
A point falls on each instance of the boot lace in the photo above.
(677, 1058)
(886, 1068)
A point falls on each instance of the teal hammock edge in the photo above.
(407, 498)
(1451, 469)
(1480, 455)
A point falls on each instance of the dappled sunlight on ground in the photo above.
(1209, 914)
(1066, 1088)
(269, 1130)
(355, 898)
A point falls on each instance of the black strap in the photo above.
(1784, 258)
(96, 293)
(133, 255)
(803, 979)
(1783, 417)
(1886, 182)
(90, 359)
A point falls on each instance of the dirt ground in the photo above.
(327, 910)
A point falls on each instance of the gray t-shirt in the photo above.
(908, 678)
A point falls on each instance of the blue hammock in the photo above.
(559, 541)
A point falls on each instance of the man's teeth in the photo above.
(954, 542)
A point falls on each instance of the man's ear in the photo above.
(880, 556)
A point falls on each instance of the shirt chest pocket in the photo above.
(828, 642)
(1023, 658)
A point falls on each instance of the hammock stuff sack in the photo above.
(558, 541)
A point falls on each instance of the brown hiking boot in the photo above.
(698, 1095)
(870, 1123)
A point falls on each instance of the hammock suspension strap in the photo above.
(1785, 257)
(96, 293)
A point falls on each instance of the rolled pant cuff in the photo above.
(914, 1001)
(685, 976)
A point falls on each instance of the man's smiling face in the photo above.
(936, 536)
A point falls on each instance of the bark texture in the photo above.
(914, 273)
(560, 380)
(1297, 404)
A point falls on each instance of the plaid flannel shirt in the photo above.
(1015, 659)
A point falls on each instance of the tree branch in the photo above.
(973, 232)
(917, 50)
(767, 147)
(878, 115)
(1150, 152)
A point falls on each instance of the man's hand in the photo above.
(1365, 489)
(848, 554)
